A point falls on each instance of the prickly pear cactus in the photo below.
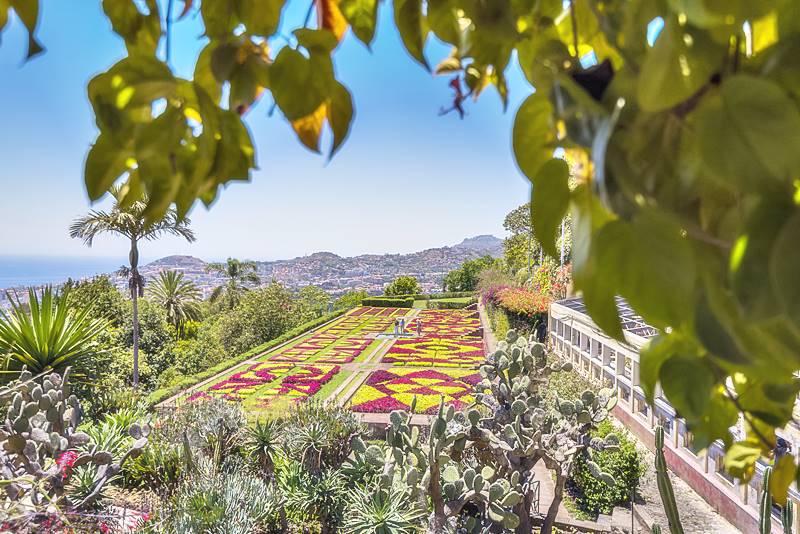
(40, 441)
(525, 427)
(432, 475)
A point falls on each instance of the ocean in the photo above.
(20, 271)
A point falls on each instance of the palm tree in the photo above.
(178, 297)
(47, 333)
(128, 221)
(237, 274)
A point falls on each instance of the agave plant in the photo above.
(48, 334)
(371, 510)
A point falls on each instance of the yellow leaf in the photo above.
(331, 18)
(782, 477)
(765, 32)
(308, 128)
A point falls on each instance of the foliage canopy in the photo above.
(685, 113)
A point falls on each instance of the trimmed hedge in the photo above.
(163, 394)
(443, 295)
(394, 302)
(450, 304)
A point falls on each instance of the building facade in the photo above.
(606, 362)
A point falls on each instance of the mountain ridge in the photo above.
(337, 274)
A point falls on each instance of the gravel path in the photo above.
(696, 515)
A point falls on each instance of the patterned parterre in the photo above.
(436, 352)
(394, 389)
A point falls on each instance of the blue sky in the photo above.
(406, 179)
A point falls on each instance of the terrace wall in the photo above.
(608, 363)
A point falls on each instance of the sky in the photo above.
(406, 179)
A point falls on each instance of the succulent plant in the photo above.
(40, 442)
(524, 428)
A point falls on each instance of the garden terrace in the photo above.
(356, 361)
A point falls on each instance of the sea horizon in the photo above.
(23, 270)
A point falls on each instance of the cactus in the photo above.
(40, 426)
(655, 530)
(787, 516)
(765, 505)
(524, 429)
(665, 485)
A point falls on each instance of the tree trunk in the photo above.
(134, 287)
(523, 511)
(437, 521)
(552, 512)
(135, 298)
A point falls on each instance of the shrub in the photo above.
(450, 304)
(403, 285)
(626, 465)
(391, 302)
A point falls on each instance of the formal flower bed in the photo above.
(244, 383)
(297, 382)
(444, 323)
(436, 352)
(303, 382)
(395, 388)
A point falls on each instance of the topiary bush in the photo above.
(626, 465)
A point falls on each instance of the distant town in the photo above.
(335, 274)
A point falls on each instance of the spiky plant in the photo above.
(178, 296)
(131, 220)
(371, 510)
(48, 334)
(263, 444)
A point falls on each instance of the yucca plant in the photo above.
(49, 334)
(263, 444)
(372, 511)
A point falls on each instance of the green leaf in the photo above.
(662, 271)
(533, 136)
(740, 459)
(679, 64)
(652, 356)
(541, 58)
(260, 17)
(550, 202)
(316, 40)
(4, 7)
(746, 133)
(248, 82)
(235, 155)
(413, 29)
(340, 115)
(588, 217)
(28, 13)
(161, 135)
(362, 16)
(219, 17)
(783, 474)
(141, 32)
(204, 73)
(443, 20)
(687, 382)
(297, 87)
(741, 10)
(104, 164)
(751, 279)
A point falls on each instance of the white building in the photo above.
(609, 363)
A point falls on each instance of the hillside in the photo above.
(338, 274)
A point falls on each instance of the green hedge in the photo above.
(163, 394)
(626, 465)
(395, 302)
(450, 304)
(444, 295)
